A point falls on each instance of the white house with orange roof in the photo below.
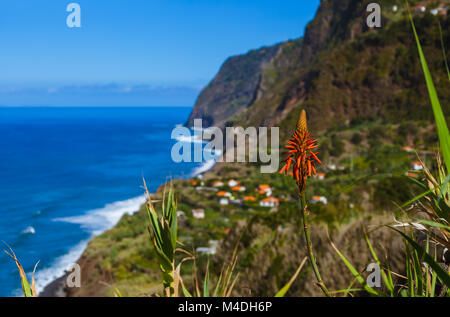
(238, 189)
(408, 149)
(417, 166)
(218, 184)
(265, 189)
(249, 198)
(319, 199)
(223, 194)
(440, 11)
(233, 183)
(421, 9)
(321, 176)
(270, 202)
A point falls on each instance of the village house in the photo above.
(264, 189)
(233, 183)
(249, 199)
(421, 9)
(270, 202)
(198, 213)
(223, 194)
(321, 176)
(408, 149)
(416, 166)
(213, 244)
(331, 167)
(218, 184)
(238, 189)
(319, 199)
(440, 11)
(412, 175)
(224, 201)
(181, 214)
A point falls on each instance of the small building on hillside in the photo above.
(249, 199)
(270, 202)
(224, 201)
(218, 184)
(238, 189)
(319, 199)
(412, 175)
(439, 11)
(223, 194)
(321, 176)
(408, 149)
(416, 166)
(421, 9)
(233, 183)
(198, 213)
(264, 189)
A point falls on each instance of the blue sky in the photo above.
(160, 43)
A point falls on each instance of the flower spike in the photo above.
(299, 154)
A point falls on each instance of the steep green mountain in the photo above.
(341, 70)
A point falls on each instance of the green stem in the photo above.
(309, 246)
(168, 282)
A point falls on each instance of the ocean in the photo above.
(68, 174)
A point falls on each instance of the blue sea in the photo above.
(68, 174)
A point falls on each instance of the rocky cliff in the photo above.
(339, 71)
(234, 88)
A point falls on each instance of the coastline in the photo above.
(57, 287)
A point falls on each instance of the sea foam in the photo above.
(95, 221)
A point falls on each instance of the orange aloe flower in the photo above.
(300, 154)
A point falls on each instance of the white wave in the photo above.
(98, 220)
(190, 139)
(204, 168)
(59, 266)
(28, 230)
